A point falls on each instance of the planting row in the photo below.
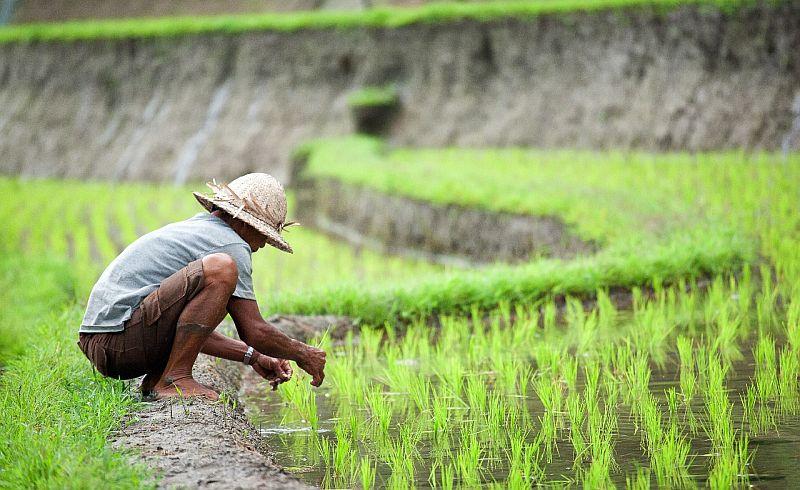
(683, 390)
(89, 223)
(608, 197)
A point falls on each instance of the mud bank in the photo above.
(450, 234)
(194, 107)
(195, 443)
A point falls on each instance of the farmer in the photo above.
(156, 306)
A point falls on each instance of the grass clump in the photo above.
(373, 97)
(29, 288)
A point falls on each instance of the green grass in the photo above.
(385, 17)
(728, 221)
(87, 223)
(29, 288)
(56, 414)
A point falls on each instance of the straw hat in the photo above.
(258, 200)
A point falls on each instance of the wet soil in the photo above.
(196, 443)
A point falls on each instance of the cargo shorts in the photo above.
(145, 343)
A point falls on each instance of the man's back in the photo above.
(141, 267)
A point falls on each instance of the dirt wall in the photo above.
(216, 106)
(445, 234)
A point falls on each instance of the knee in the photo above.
(220, 268)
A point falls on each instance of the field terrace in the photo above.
(532, 374)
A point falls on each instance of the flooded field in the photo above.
(688, 389)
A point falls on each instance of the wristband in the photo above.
(248, 355)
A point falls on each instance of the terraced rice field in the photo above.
(668, 359)
(693, 383)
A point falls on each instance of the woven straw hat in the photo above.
(258, 200)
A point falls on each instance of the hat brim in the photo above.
(272, 236)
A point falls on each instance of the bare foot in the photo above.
(147, 388)
(183, 388)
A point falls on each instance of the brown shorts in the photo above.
(144, 346)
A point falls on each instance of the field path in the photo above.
(194, 443)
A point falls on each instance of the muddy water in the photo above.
(774, 451)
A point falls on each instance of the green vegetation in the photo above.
(534, 373)
(388, 17)
(56, 414)
(373, 96)
(459, 291)
(611, 197)
(89, 223)
(523, 403)
(523, 382)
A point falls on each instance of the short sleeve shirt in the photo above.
(141, 267)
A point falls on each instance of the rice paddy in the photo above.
(524, 396)
(682, 383)
(668, 359)
(90, 223)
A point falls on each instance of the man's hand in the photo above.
(276, 371)
(312, 361)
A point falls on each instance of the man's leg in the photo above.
(197, 321)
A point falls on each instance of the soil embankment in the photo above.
(195, 443)
(193, 107)
(446, 234)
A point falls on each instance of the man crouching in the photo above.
(155, 307)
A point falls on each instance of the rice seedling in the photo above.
(730, 466)
(381, 412)
(787, 382)
(688, 380)
(345, 459)
(477, 394)
(639, 481)
(468, 459)
(366, 472)
(300, 396)
(792, 323)
(766, 369)
(575, 412)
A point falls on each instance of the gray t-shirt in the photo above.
(141, 267)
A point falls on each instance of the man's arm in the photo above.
(267, 339)
(275, 371)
